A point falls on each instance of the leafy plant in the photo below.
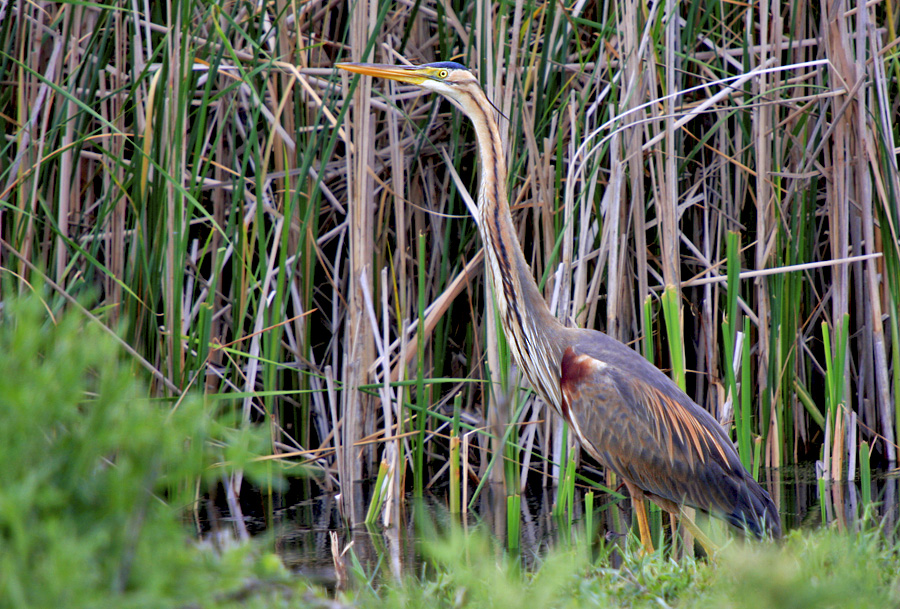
(96, 477)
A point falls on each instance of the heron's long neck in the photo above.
(533, 333)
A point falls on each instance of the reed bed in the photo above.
(713, 183)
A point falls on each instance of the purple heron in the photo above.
(624, 411)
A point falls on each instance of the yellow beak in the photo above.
(410, 74)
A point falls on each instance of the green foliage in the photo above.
(468, 570)
(815, 569)
(820, 569)
(95, 475)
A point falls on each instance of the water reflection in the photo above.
(302, 530)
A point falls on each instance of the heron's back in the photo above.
(635, 420)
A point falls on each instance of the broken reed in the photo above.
(231, 203)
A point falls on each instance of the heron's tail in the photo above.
(755, 511)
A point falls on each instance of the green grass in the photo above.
(818, 569)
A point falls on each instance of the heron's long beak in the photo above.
(410, 74)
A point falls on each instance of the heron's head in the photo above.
(448, 78)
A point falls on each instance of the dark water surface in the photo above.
(303, 532)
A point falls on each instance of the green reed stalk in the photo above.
(564, 509)
(647, 342)
(377, 501)
(829, 371)
(589, 519)
(513, 521)
(511, 450)
(455, 480)
(671, 310)
(730, 323)
(562, 487)
(743, 421)
(865, 475)
(823, 497)
(563, 512)
(204, 324)
(454, 456)
(757, 451)
(834, 363)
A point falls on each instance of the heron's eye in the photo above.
(442, 74)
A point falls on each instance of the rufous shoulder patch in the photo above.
(575, 367)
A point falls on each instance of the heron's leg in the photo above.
(637, 503)
(707, 543)
(675, 509)
(673, 526)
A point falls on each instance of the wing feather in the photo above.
(633, 419)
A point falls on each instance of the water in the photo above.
(302, 532)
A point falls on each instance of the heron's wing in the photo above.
(639, 424)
